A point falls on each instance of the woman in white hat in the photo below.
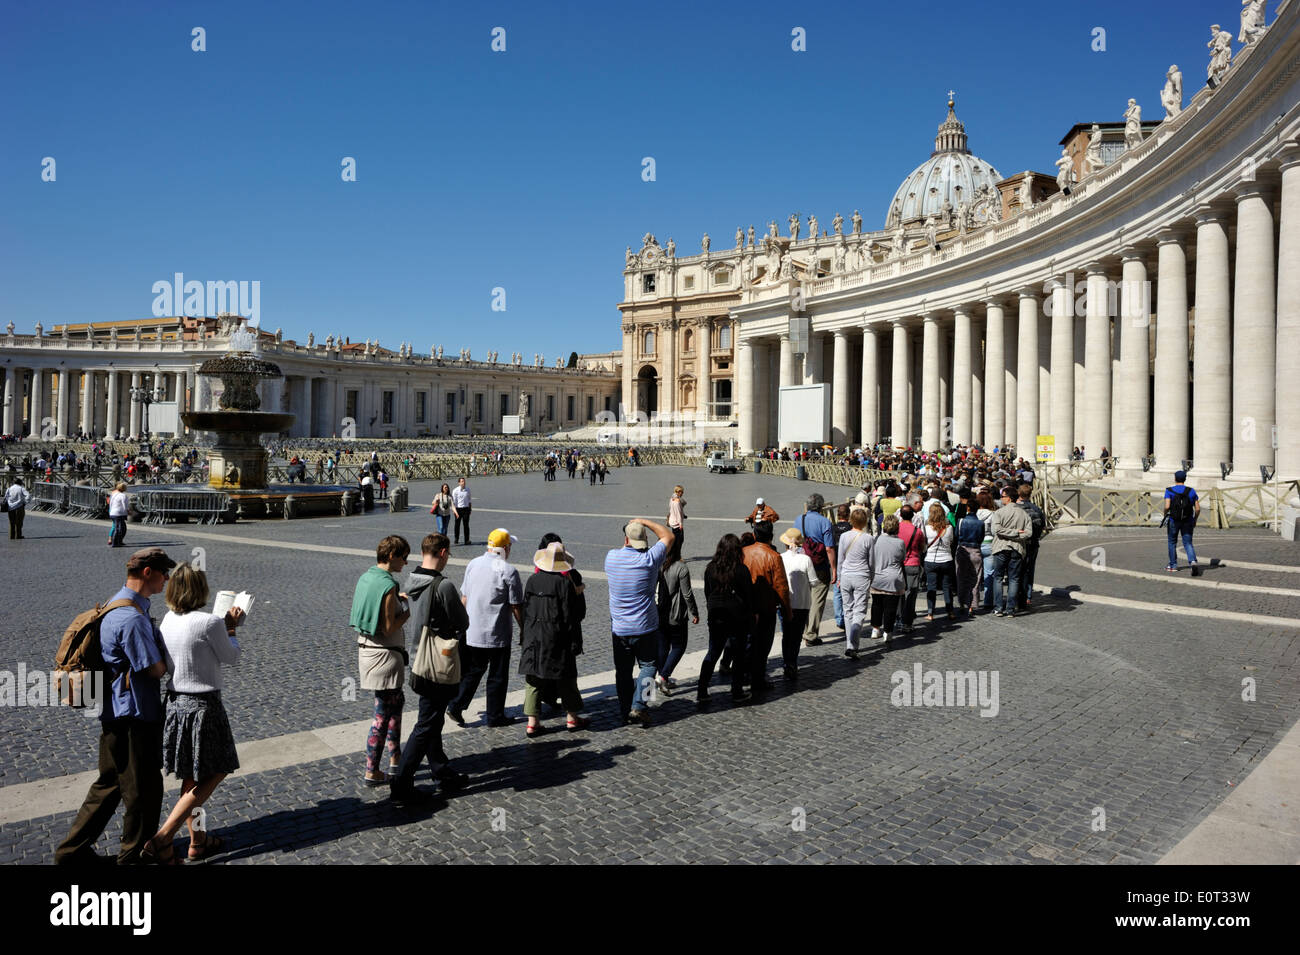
(799, 573)
(551, 638)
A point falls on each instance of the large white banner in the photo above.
(804, 416)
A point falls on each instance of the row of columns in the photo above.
(87, 397)
(1037, 366)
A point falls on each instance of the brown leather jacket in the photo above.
(771, 587)
(764, 513)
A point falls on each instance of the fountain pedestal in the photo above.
(238, 461)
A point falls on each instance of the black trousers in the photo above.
(425, 741)
(476, 661)
(130, 772)
(760, 645)
(16, 526)
(462, 517)
(792, 638)
(729, 631)
(1027, 575)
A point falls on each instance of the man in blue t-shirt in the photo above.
(815, 527)
(1182, 508)
(130, 744)
(633, 578)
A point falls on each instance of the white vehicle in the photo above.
(719, 462)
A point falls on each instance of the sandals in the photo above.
(151, 855)
(533, 732)
(581, 723)
(211, 845)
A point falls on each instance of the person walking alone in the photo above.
(1182, 510)
(677, 514)
(460, 508)
(15, 500)
(117, 513)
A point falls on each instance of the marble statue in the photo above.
(838, 224)
(311, 339)
(857, 222)
(10, 330)
(136, 336)
(670, 249)
(931, 232)
(900, 241)
(631, 259)
(771, 229)
(1132, 125)
(279, 335)
(112, 333)
(1092, 161)
(704, 244)
(794, 227)
(1064, 170)
(740, 237)
(773, 258)
(439, 353)
(947, 212)
(64, 332)
(812, 227)
(787, 266)
(524, 400)
(1171, 97)
(1026, 193)
(1252, 21)
(1220, 46)
(750, 234)
(963, 217)
(841, 255)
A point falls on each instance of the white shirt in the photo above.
(197, 645)
(117, 504)
(460, 496)
(798, 571)
(939, 545)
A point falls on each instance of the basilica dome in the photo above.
(952, 175)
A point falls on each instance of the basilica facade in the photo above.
(1144, 298)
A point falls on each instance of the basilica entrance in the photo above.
(647, 391)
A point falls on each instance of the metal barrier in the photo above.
(49, 496)
(87, 502)
(159, 507)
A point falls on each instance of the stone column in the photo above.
(1010, 387)
(1044, 370)
(841, 429)
(1254, 336)
(945, 388)
(13, 396)
(789, 372)
(765, 407)
(995, 383)
(1027, 376)
(629, 363)
(1212, 358)
(870, 428)
(307, 427)
(976, 383)
(1133, 390)
(704, 380)
(668, 387)
(36, 403)
(88, 402)
(1097, 358)
(1288, 320)
(1062, 382)
(111, 423)
(135, 406)
(1080, 378)
(900, 402)
(930, 411)
(962, 420)
(62, 416)
(745, 395)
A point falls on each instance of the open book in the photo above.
(228, 598)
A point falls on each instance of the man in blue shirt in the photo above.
(130, 744)
(633, 572)
(1182, 508)
(814, 527)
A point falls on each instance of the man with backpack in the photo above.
(130, 744)
(1038, 521)
(819, 544)
(1182, 508)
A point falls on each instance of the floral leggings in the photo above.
(386, 730)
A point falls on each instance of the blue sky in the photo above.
(519, 170)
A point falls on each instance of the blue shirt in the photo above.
(633, 576)
(1178, 489)
(130, 642)
(811, 524)
(490, 588)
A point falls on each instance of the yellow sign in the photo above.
(1046, 444)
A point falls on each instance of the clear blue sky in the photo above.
(519, 169)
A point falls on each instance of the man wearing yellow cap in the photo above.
(492, 594)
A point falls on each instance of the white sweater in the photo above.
(197, 645)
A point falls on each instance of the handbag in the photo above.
(437, 659)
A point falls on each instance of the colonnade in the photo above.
(56, 402)
(1097, 355)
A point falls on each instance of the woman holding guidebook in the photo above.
(198, 746)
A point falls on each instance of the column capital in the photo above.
(966, 310)
(1095, 267)
(1261, 187)
(1289, 155)
(931, 317)
(1169, 234)
(841, 333)
(1213, 210)
(1133, 252)
(897, 323)
(1027, 291)
(995, 301)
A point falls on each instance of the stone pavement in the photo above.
(1103, 708)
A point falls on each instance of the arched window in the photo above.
(649, 343)
(688, 342)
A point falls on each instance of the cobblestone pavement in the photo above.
(1132, 712)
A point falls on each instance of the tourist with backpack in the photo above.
(1182, 508)
(125, 643)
